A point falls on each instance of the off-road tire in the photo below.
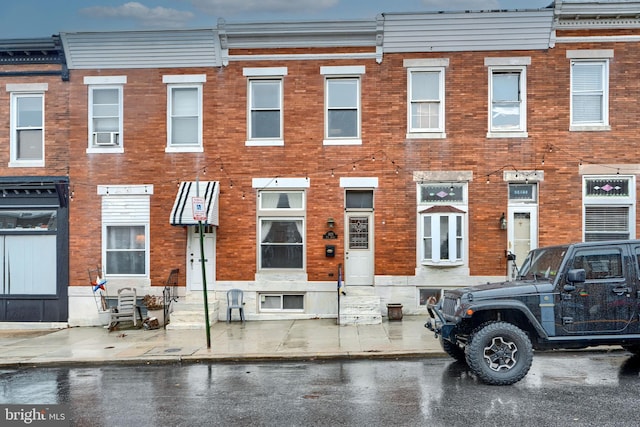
(453, 350)
(499, 353)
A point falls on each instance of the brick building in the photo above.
(403, 155)
(34, 177)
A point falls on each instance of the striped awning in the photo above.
(182, 212)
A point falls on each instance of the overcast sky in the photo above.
(41, 18)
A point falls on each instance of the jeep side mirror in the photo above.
(575, 275)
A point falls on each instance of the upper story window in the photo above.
(27, 127)
(264, 106)
(27, 148)
(590, 89)
(426, 107)
(342, 105)
(442, 211)
(507, 97)
(105, 113)
(184, 112)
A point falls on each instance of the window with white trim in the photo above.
(281, 302)
(125, 229)
(184, 112)
(281, 229)
(27, 129)
(125, 249)
(105, 108)
(508, 100)
(265, 109)
(342, 105)
(426, 100)
(609, 208)
(442, 211)
(105, 125)
(589, 92)
(265, 118)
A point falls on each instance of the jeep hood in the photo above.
(501, 289)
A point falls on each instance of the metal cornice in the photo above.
(353, 33)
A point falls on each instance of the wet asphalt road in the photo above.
(562, 389)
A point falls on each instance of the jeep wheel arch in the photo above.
(499, 353)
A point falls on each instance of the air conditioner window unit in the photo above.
(106, 138)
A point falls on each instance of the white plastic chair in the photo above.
(235, 299)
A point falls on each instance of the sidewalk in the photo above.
(253, 340)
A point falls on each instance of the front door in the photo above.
(194, 264)
(359, 249)
(522, 234)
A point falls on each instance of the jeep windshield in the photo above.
(543, 263)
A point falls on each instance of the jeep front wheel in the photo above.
(499, 353)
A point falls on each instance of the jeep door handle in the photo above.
(620, 290)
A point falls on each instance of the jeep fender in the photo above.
(517, 306)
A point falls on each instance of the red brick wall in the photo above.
(384, 116)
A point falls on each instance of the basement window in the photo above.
(281, 302)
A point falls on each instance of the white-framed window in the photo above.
(507, 115)
(508, 101)
(442, 211)
(125, 230)
(27, 129)
(184, 112)
(125, 250)
(265, 116)
(589, 94)
(265, 110)
(105, 113)
(281, 302)
(281, 229)
(609, 207)
(426, 100)
(342, 105)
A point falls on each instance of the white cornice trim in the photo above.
(598, 39)
(303, 57)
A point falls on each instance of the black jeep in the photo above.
(565, 297)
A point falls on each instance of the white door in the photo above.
(359, 251)
(194, 264)
(522, 232)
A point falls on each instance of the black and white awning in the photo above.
(182, 212)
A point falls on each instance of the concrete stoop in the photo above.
(360, 306)
(188, 313)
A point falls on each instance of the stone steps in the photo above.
(188, 313)
(360, 306)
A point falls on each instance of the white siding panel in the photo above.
(142, 49)
(122, 209)
(299, 34)
(468, 31)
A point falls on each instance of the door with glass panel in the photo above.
(359, 252)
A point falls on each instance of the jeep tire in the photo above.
(499, 353)
(453, 350)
